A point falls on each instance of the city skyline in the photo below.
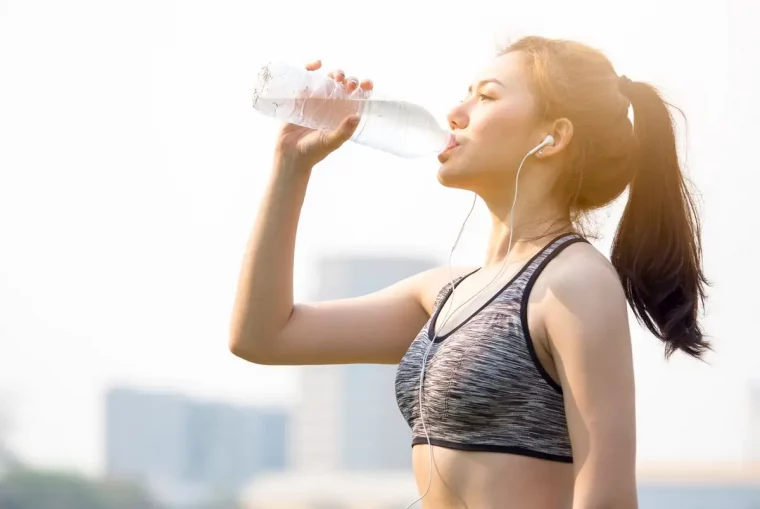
(186, 450)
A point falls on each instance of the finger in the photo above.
(339, 136)
(352, 84)
(366, 85)
(313, 66)
(339, 76)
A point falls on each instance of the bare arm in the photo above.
(267, 328)
(376, 328)
(264, 299)
(587, 323)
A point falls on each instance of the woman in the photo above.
(528, 389)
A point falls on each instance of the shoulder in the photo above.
(582, 291)
(581, 270)
(434, 283)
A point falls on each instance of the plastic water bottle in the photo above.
(314, 100)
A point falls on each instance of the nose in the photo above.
(458, 117)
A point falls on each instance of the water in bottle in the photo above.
(312, 99)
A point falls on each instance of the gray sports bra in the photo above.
(485, 389)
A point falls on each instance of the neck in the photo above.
(530, 225)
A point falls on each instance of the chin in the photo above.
(455, 170)
(451, 176)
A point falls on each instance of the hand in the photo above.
(308, 146)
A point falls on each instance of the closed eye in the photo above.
(481, 97)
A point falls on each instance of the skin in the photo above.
(577, 311)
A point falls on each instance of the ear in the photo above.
(562, 131)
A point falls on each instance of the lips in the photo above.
(451, 143)
(446, 153)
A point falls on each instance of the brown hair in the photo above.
(657, 248)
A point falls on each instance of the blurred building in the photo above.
(187, 450)
(753, 425)
(347, 418)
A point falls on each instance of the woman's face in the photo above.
(495, 127)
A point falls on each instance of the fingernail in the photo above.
(353, 121)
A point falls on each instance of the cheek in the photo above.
(502, 128)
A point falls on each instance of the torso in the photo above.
(484, 480)
(513, 473)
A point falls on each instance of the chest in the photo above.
(470, 297)
(483, 366)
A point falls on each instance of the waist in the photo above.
(491, 480)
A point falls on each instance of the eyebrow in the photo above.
(484, 82)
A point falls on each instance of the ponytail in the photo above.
(657, 248)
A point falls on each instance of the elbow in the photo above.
(255, 341)
(236, 347)
(249, 349)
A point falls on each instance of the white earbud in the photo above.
(549, 140)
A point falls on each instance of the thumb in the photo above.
(339, 136)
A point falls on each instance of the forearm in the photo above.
(264, 299)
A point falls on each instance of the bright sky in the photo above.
(132, 163)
